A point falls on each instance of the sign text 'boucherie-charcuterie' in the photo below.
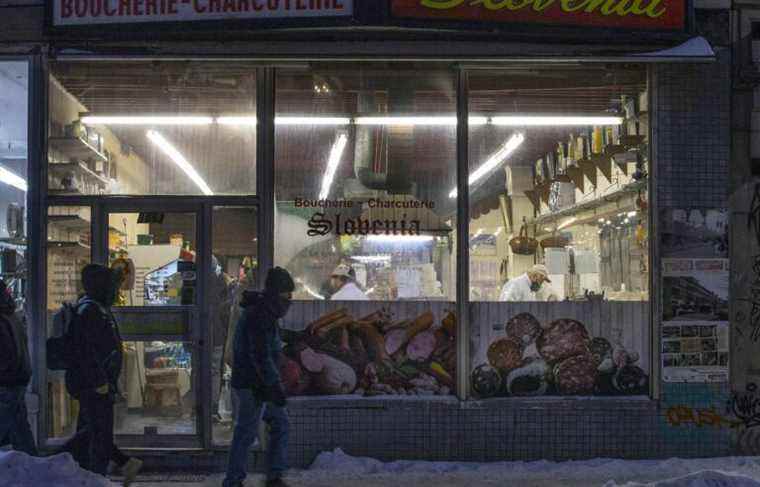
(627, 14)
(88, 12)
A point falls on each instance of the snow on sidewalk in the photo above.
(337, 469)
(20, 470)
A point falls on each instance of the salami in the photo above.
(563, 339)
(575, 376)
(531, 379)
(486, 381)
(630, 380)
(601, 349)
(505, 354)
(524, 328)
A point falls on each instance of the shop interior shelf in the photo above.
(71, 223)
(81, 168)
(75, 223)
(627, 190)
(75, 148)
(67, 245)
(15, 242)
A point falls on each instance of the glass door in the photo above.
(158, 248)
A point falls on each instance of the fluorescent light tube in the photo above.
(336, 154)
(312, 121)
(494, 161)
(400, 238)
(567, 223)
(178, 159)
(371, 259)
(13, 179)
(146, 120)
(242, 120)
(398, 120)
(549, 121)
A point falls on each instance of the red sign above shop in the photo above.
(89, 12)
(627, 14)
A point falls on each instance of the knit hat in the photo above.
(279, 281)
(99, 282)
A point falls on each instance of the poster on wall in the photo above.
(694, 233)
(695, 351)
(695, 289)
(695, 342)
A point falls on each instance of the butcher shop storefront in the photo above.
(471, 219)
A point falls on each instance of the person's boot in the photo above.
(130, 470)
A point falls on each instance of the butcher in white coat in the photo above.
(343, 281)
(529, 286)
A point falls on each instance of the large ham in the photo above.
(421, 347)
(563, 339)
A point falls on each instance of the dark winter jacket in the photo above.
(15, 368)
(98, 346)
(257, 345)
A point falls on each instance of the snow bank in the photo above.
(700, 479)
(704, 472)
(21, 470)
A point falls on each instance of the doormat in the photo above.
(164, 477)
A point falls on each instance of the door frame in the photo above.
(198, 335)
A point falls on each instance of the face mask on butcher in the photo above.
(535, 286)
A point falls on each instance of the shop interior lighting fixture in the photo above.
(178, 159)
(494, 161)
(553, 121)
(13, 179)
(400, 238)
(336, 154)
(398, 120)
(372, 259)
(567, 223)
(147, 120)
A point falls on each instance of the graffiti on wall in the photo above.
(745, 407)
(699, 417)
(753, 300)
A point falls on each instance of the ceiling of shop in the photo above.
(216, 88)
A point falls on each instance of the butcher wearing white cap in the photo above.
(343, 282)
(528, 287)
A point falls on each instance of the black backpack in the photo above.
(61, 350)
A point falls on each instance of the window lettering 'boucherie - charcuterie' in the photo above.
(634, 14)
(88, 12)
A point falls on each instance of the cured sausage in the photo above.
(505, 354)
(575, 376)
(563, 339)
(524, 328)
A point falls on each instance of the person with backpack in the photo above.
(15, 374)
(92, 375)
(257, 389)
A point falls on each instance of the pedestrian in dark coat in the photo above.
(15, 374)
(93, 379)
(257, 390)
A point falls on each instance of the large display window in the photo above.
(559, 247)
(367, 219)
(152, 128)
(365, 167)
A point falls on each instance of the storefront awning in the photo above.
(695, 49)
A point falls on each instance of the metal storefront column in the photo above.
(463, 237)
(265, 144)
(37, 232)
